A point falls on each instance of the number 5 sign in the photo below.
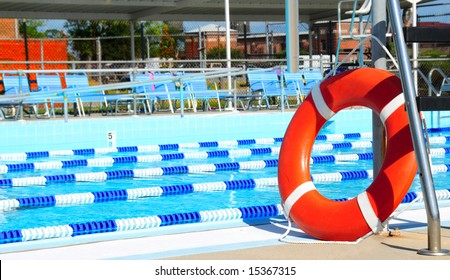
(111, 138)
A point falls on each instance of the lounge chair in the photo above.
(299, 84)
(145, 91)
(167, 88)
(200, 91)
(263, 87)
(81, 81)
(292, 83)
(111, 102)
(50, 83)
(311, 77)
(10, 102)
(16, 86)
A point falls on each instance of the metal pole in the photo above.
(25, 41)
(228, 42)
(148, 47)
(330, 42)
(310, 40)
(267, 40)
(379, 61)
(245, 48)
(41, 43)
(291, 15)
(133, 58)
(133, 51)
(182, 98)
(142, 41)
(426, 179)
(99, 59)
(415, 46)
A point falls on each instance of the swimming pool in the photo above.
(64, 180)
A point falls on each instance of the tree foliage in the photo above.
(167, 44)
(221, 53)
(115, 39)
(33, 27)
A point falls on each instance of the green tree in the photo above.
(167, 44)
(114, 35)
(83, 49)
(33, 27)
(221, 53)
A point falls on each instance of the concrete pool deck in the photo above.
(259, 242)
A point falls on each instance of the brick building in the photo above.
(211, 36)
(325, 38)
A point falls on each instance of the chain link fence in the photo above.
(63, 44)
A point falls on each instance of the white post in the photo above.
(228, 46)
(291, 7)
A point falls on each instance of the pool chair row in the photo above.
(147, 93)
(194, 90)
(42, 100)
(267, 88)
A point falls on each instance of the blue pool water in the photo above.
(51, 135)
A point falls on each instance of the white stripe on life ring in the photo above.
(321, 106)
(369, 215)
(398, 101)
(296, 195)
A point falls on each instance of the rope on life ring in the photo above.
(349, 220)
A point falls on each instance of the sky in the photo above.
(440, 13)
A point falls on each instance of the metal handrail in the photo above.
(444, 80)
(425, 175)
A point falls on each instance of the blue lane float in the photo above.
(129, 224)
(223, 144)
(133, 194)
(200, 168)
(73, 199)
(238, 153)
(170, 147)
(161, 171)
(110, 161)
(94, 227)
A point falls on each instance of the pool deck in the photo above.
(260, 242)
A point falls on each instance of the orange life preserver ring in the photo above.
(349, 220)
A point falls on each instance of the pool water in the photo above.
(121, 208)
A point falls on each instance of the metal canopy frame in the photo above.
(187, 10)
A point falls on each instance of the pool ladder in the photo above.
(426, 179)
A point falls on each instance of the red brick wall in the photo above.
(213, 39)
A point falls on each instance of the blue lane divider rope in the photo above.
(226, 143)
(110, 161)
(136, 193)
(237, 153)
(148, 172)
(94, 227)
(173, 170)
(167, 147)
(129, 224)
(234, 153)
